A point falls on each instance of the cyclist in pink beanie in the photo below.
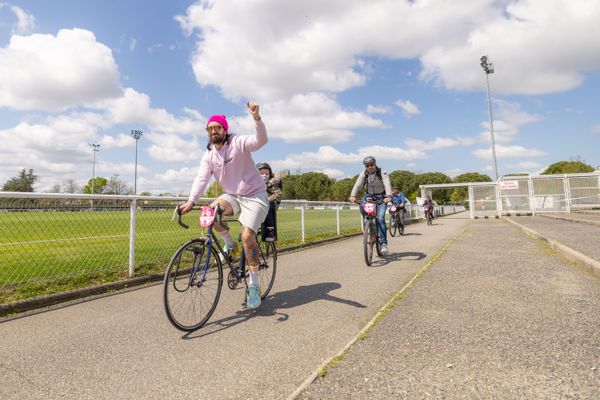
(228, 159)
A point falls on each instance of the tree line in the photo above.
(314, 186)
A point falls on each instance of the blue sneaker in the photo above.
(253, 300)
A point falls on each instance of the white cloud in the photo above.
(379, 109)
(319, 42)
(437, 143)
(174, 149)
(53, 73)
(134, 108)
(110, 142)
(551, 39)
(528, 165)
(408, 107)
(596, 128)
(508, 152)
(454, 172)
(508, 118)
(393, 153)
(25, 21)
(314, 117)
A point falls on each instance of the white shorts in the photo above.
(253, 209)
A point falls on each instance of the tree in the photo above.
(99, 184)
(21, 183)
(406, 181)
(70, 186)
(340, 191)
(314, 186)
(289, 186)
(145, 194)
(567, 167)
(428, 178)
(214, 190)
(460, 194)
(116, 186)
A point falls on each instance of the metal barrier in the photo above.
(529, 194)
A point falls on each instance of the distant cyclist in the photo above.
(428, 206)
(376, 184)
(399, 201)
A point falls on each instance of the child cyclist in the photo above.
(269, 227)
(399, 201)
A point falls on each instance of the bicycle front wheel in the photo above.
(192, 286)
(368, 242)
(393, 225)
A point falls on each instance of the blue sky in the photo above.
(336, 80)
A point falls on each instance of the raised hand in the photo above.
(253, 109)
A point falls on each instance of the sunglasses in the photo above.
(215, 128)
(369, 165)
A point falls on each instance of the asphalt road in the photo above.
(121, 346)
(498, 316)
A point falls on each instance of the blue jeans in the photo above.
(380, 216)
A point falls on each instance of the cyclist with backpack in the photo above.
(376, 184)
(274, 191)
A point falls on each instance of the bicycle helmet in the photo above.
(369, 160)
(264, 165)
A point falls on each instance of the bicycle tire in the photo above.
(429, 221)
(367, 243)
(375, 238)
(267, 268)
(393, 225)
(188, 302)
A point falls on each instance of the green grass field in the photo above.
(53, 251)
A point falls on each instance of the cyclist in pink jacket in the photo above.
(228, 159)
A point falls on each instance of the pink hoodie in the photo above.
(232, 166)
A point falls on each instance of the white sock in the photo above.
(253, 278)
(227, 239)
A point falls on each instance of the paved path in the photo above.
(122, 347)
(585, 238)
(498, 316)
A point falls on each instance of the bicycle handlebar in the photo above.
(218, 216)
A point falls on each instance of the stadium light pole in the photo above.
(136, 135)
(95, 148)
(488, 67)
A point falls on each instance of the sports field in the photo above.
(39, 250)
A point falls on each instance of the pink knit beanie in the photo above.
(220, 119)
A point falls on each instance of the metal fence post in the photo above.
(567, 186)
(531, 192)
(337, 217)
(132, 238)
(302, 216)
(471, 202)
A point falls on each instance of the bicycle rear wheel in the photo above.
(368, 242)
(191, 294)
(429, 221)
(267, 267)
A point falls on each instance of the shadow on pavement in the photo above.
(411, 234)
(391, 257)
(273, 304)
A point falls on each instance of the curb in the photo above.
(581, 221)
(383, 311)
(588, 263)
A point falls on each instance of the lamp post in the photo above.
(95, 148)
(488, 67)
(136, 135)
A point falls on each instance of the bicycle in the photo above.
(194, 278)
(429, 216)
(396, 220)
(371, 231)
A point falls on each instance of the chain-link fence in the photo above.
(56, 242)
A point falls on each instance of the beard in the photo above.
(218, 139)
